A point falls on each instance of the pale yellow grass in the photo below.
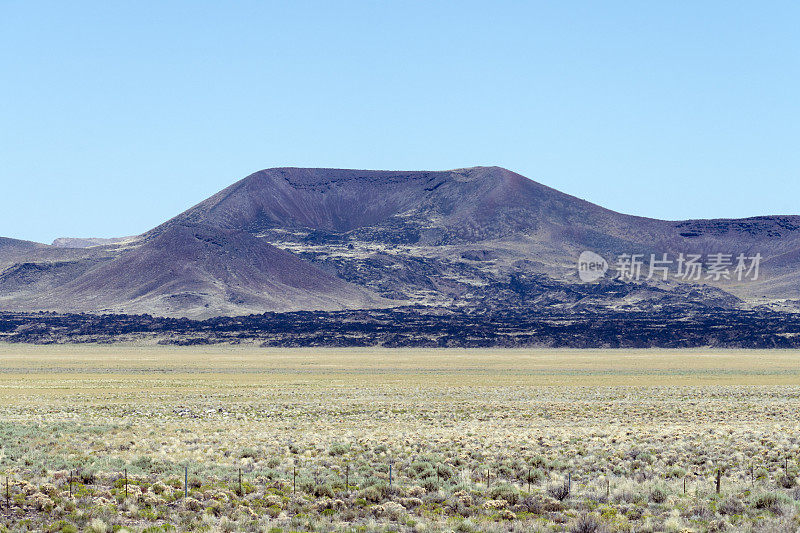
(101, 370)
(618, 420)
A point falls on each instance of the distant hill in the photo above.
(69, 242)
(326, 239)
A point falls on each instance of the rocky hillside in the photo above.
(289, 239)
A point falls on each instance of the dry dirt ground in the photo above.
(104, 438)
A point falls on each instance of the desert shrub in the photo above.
(306, 484)
(537, 461)
(192, 504)
(532, 504)
(732, 506)
(372, 494)
(586, 523)
(505, 492)
(87, 477)
(49, 489)
(250, 452)
(507, 514)
(391, 510)
(63, 526)
(701, 511)
(674, 523)
(658, 494)
(559, 491)
(323, 490)
(463, 510)
(787, 482)
(505, 470)
(227, 525)
(444, 471)
(375, 481)
(410, 503)
(430, 484)
(495, 505)
(97, 526)
(532, 475)
(42, 502)
(421, 470)
(769, 500)
(465, 526)
(435, 498)
(676, 472)
(143, 462)
(215, 509)
(338, 448)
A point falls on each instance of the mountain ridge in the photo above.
(458, 237)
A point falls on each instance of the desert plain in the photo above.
(238, 438)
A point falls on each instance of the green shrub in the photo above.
(586, 523)
(421, 470)
(676, 472)
(323, 490)
(430, 484)
(338, 448)
(505, 492)
(658, 494)
(374, 493)
(532, 475)
(559, 491)
(769, 500)
(249, 452)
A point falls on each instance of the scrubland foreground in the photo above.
(105, 439)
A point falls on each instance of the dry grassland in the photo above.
(314, 431)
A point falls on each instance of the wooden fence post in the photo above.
(719, 479)
(185, 482)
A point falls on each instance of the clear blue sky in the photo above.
(115, 116)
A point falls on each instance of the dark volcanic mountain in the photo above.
(458, 206)
(325, 239)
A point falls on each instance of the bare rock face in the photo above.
(325, 239)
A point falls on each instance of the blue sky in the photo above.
(115, 116)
